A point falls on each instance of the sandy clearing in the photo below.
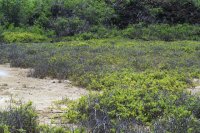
(195, 90)
(3, 73)
(42, 92)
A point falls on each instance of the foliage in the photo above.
(124, 110)
(24, 119)
(15, 11)
(94, 12)
(11, 37)
(49, 129)
(155, 11)
(186, 124)
(196, 2)
(16, 119)
(98, 64)
(78, 16)
(69, 26)
(141, 31)
(141, 82)
(163, 32)
(95, 32)
(32, 29)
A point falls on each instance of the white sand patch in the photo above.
(42, 92)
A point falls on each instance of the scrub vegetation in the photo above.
(137, 57)
(144, 83)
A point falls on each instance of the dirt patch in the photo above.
(195, 90)
(42, 92)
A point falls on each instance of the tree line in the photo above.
(67, 17)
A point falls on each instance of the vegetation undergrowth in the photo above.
(143, 83)
(136, 110)
(18, 119)
(162, 32)
(23, 118)
(11, 37)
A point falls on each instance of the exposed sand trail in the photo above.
(42, 92)
(195, 90)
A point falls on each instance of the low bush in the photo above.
(25, 37)
(171, 124)
(95, 32)
(24, 119)
(98, 32)
(69, 26)
(19, 119)
(64, 29)
(163, 32)
(135, 109)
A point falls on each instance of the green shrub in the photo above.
(141, 31)
(95, 32)
(69, 26)
(178, 124)
(127, 108)
(163, 32)
(36, 29)
(94, 12)
(98, 32)
(4, 129)
(22, 118)
(196, 2)
(25, 37)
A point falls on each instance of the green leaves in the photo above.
(23, 37)
(145, 105)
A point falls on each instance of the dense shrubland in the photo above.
(104, 59)
(136, 110)
(143, 83)
(163, 32)
(140, 31)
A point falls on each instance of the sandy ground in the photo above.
(195, 90)
(42, 92)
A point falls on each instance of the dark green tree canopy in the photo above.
(69, 17)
